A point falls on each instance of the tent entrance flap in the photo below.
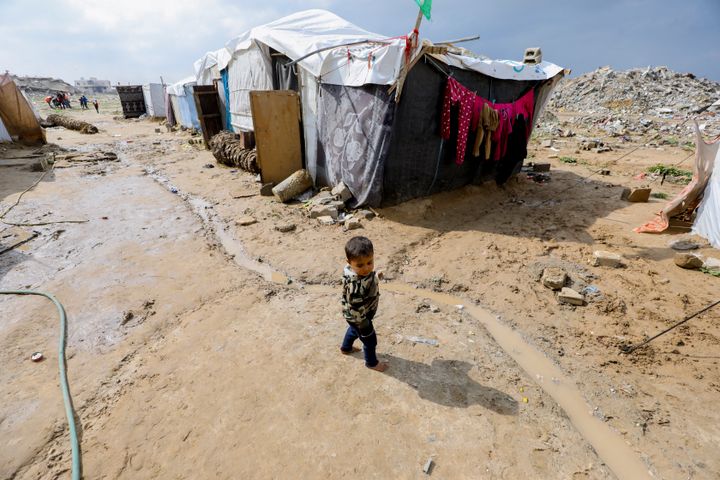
(275, 116)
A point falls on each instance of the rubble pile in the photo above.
(228, 149)
(640, 91)
(43, 85)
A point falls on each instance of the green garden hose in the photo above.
(74, 444)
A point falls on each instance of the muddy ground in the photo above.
(187, 361)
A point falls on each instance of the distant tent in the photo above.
(154, 95)
(183, 103)
(702, 193)
(370, 104)
(18, 118)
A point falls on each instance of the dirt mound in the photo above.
(641, 91)
(44, 85)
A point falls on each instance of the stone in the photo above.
(602, 258)
(712, 264)
(684, 244)
(326, 220)
(688, 260)
(547, 143)
(571, 297)
(541, 167)
(337, 204)
(554, 278)
(352, 224)
(322, 198)
(157, 130)
(266, 189)
(285, 227)
(366, 214)
(342, 191)
(245, 221)
(324, 211)
(636, 194)
(293, 186)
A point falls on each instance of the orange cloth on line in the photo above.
(487, 123)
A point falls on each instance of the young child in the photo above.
(361, 295)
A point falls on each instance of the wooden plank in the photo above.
(207, 104)
(276, 115)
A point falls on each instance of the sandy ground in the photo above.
(184, 363)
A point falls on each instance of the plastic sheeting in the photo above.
(689, 196)
(4, 135)
(502, 69)
(178, 88)
(207, 68)
(354, 130)
(707, 222)
(249, 69)
(154, 95)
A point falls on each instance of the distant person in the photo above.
(361, 295)
(84, 102)
(96, 105)
(66, 100)
(49, 100)
(60, 99)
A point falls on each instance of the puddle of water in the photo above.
(608, 444)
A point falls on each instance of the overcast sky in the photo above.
(137, 41)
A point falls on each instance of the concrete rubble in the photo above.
(602, 258)
(571, 297)
(554, 278)
(688, 260)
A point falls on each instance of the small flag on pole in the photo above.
(425, 7)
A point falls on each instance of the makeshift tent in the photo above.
(371, 105)
(207, 72)
(18, 118)
(154, 95)
(183, 103)
(703, 193)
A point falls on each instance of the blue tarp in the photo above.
(226, 87)
(188, 113)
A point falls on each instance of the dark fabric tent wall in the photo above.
(415, 165)
(387, 153)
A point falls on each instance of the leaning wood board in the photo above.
(276, 119)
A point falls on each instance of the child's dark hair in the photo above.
(358, 247)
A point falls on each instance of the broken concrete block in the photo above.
(636, 194)
(427, 469)
(571, 297)
(337, 204)
(245, 221)
(688, 260)
(266, 189)
(547, 143)
(554, 278)
(322, 198)
(342, 191)
(541, 167)
(326, 220)
(601, 258)
(318, 211)
(293, 186)
(352, 224)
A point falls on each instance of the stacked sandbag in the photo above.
(70, 123)
(228, 149)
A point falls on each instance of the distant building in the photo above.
(93, 85)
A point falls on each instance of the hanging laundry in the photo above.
(508, 112)
(487, 122)
(456, 93)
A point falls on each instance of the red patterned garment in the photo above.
(456, 93)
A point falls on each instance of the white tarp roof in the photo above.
(210, 60)
(304, 32)
(178, 88)
(707, 221)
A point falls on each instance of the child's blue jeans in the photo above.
(367, 337)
